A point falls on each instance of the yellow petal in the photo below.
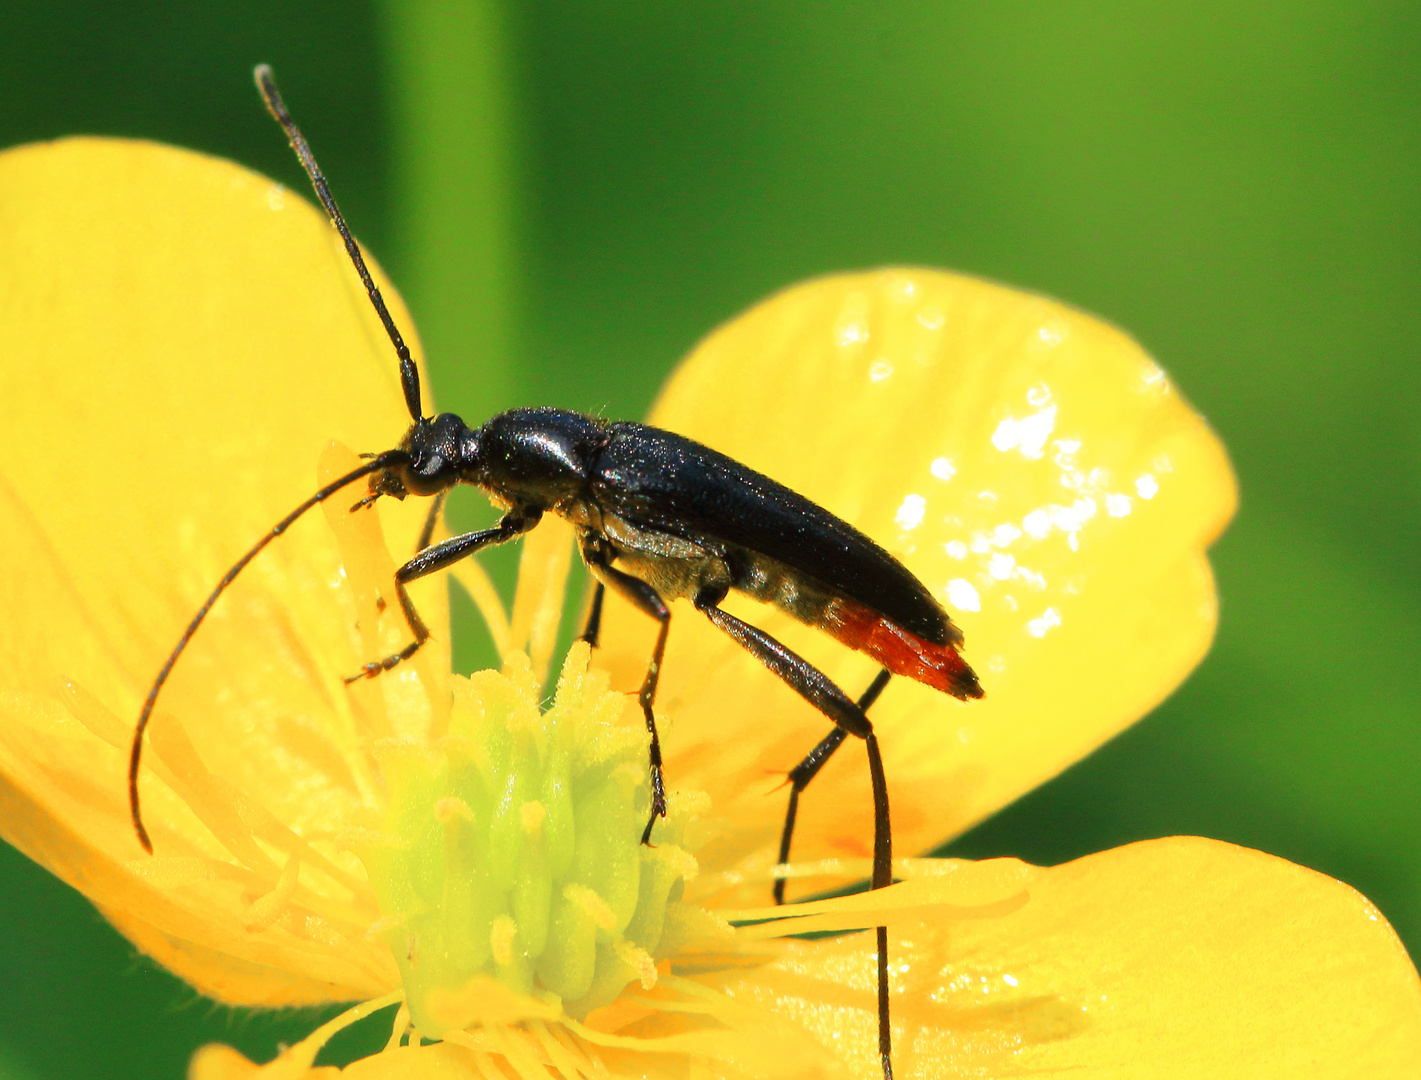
(1177, 958)
(1170, 958)
(184, 338)
(1029, 463)
(543, 566)
(442, 1061)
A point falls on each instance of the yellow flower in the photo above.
(184, 338)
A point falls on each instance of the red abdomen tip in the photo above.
(900, 651)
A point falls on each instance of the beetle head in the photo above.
(434, 451)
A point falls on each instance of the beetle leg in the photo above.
(435, 558)
(817, 689)
(808, 769)
(594, 615)
(426, 534)
(648, 600)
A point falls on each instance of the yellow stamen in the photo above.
(265, 910)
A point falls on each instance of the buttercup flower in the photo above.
(184, 340)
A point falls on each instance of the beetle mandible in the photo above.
(658, 518)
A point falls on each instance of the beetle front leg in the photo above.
(435, 558)
(808, 769)
(426, 536)
(821, 692)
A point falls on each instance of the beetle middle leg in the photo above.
(648, 600)
(808, 769)
(593, 629)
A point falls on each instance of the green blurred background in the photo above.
(570, 194)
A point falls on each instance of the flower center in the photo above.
(509, 852)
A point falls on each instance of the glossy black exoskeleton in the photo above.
(662, 518)
(658, 518)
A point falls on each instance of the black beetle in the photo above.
(658, 518)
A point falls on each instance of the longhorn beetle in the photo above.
(658, 517)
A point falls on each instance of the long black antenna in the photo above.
(135, 756)
(409, 374)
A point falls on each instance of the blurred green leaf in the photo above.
(1239, 184)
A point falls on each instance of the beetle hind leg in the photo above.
(821, 692)
(808, 769)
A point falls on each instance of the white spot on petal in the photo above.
(943, 468)
(853, 333)
(1028, 434)
(276, 197)
(1069, 519)
(1049, 618)
(910, 514)
(1147, 486)
(1000, 566)
(956, 548)
(1117, 505)
(962, 595)
(1152, 376)
(1037, 524)
(1031, 577)
(1004, 534)
(880, 370)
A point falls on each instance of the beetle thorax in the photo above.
(536, 458)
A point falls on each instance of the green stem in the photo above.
(454, 192)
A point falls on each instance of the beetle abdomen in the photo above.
(859, 627)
